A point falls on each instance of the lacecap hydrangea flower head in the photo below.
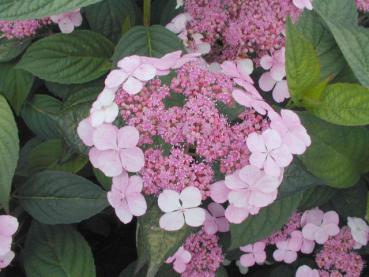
(191, 134)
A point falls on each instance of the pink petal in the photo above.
(107, 161)
(272, 139)
(290, 257)
(194, 217)
(85, 131)
(210, 226)
(66, 26)
(279, 255)
(305, 271)
(247, 248)
(105, 137)
(266, 82)
(236, 215)
(115, 78)
(260, 199)
(260, 257)
(168, 201)
(121, 182)
(111, 113)
(259, 247)
(76, 18)
(331, 217)
(331, 229)
(320, 236)
(309, 231)
(258, 159)
(5, 244)
(239, 198)
(268, 184)
(172, 221)
(216, 209)
(124, 215)
(295, 145)
(266, 62)
(250, 174)
(219, 192)
(245, 67)
(280, 91)
(242, 98)
(8, 225)
(278, 72)
(137, 204)
(190, 197)
(295, 242)
(135, 185)
(255, 143)
(133, 159)
(271, 167)
(145, 72)
(307, 246)
(179, 266)
(230, 69)
(97, 118)
(129, 64)
(132, 86)
(233, 182)
(282, 156)
(314, 216)
(247, 260)
(223, 224)
(128, 137)
(6, 259)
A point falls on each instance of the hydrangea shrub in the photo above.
(184, 138)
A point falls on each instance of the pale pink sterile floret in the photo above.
(215, 220)
(85, 131)
(302, 4)
(179, 23)
(319, 226)
(180, 259)
(359, 231)
(250, 100)
(306, 271)
(68, 21)
(104, 109)
(292, 132)
(132, 74)
(181, 208)
(116, 150)
(8, 227)
(126, 197)
(255, 254)
(164, 64)
(287, 250)
(6, 259)
(269, 152)
(219, 192)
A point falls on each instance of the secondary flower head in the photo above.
(126, 198)
(306, 271)
(319, 226)
(359, 230)
(22, 28)
(68, 21)
(215, 220)
(180, 259)
(255, 254)
(181, 208)
(287, 250)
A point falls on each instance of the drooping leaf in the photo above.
(55, 197)
(9, 151)
(107, 17)
(26, 9)
(341, 11)
(155, 245)
(10, 49)
(344, 104)
(15, 85)
(57, 251)
(265, 223)
(147, 41)
(74, 58)
(23, 162)
(40, 114)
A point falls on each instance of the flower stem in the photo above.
(147, 12)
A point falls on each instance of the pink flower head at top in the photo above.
(8, 227)
(132, 74)
(319, 226)
(104, 109)
(293, 133)
(255, 254)
(269, 152)
(306, 271)
(215, 220)
(302, 4)
(67, 21)
(116, 150)
(181, 208)
(250, 189)
(274, 77)
(126, 197)
(287, 249)
(359, 231)
(180, 259)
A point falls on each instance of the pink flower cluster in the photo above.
(22, 28)
(362, 5)
(8, 227)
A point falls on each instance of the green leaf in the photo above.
(367, 208)
(57, 251)
(10, 49)
(9, 151)
(104, 181)
(40, 114)
(344, 104)
(163, 11)
(51, 154)
(342, 10)
(15, 85)
(74, 58)
(26, 9)
(337, 154)
(265, 223)
(302, 63)
(147, 41)
(313, 28)
(222, 272)
(315, 197)
(297, 179)
(108, 17)
(55, 197)
(165, 271)
(155, 245)
(351, 202)
(23, 162)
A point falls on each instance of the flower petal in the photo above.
(172, 221)
(128, 137)
(190, 197)
(168, 201)
(219, 192)
(133, 159)
(105, 137)
(132, 85)
(136, 203)
(8, 225)
(194, 217)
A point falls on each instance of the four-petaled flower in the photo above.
(67, 21)
(180, 259)
(255, 253)
(287, 249)
(181, 208)
(215, 220)
(359, 231)
(269, 152)
(126, 197)
(116, 149)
